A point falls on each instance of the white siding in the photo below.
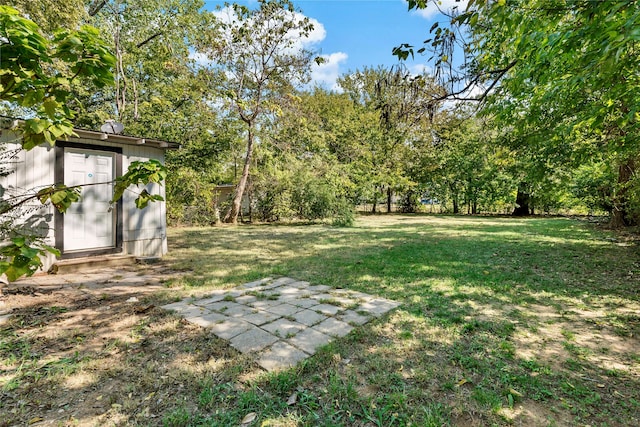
(144, 232)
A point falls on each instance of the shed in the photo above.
(89, 227)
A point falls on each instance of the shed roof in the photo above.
(12, 123)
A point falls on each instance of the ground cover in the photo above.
(503, 321)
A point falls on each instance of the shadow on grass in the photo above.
(449, 355)
(475, 279)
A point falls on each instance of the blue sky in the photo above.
(352, 34)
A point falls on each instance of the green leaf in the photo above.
(50, 106)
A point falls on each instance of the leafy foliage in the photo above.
(27, 80)
(21, 256)
(140, 173)
(60, 196)
(559, 76)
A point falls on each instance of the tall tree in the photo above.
(564, 70)
(158, 88)
(399, 101)
(261, 58)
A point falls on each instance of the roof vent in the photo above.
(111, 126)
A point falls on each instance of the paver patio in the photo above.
(282, 321)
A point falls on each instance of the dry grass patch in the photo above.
(503, 322)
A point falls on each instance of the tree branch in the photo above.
(149, 39)
(96, 7)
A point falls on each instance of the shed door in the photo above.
(89, 224)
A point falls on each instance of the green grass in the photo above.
(502, 321)
(497, 302)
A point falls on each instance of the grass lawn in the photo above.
(503, 321)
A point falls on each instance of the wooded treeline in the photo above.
(554, 128)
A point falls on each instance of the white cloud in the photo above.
(317, 34)
(442, 5)
(327, 73)
(418, 69)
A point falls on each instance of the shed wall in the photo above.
(144, 230)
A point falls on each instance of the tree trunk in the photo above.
(250, 197)
(389, 195)
(236, 206)
(523, 198)
(375, 201)
(454, 198)
(620, 213)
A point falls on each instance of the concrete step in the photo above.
(75, 265)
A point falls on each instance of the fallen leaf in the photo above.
(515, 392)
(99, 397)
(292, 399)
(139, 310)
(35, 420)
(462, 382)
(249, 418)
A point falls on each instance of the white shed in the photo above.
(89, 227)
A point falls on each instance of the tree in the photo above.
(158, 89)
(309, 161)
(51, 15)
(397, 102)
(28, 82)
(457, 163)
(563, 72)
(260, 59)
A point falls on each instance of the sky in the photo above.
(353, 34)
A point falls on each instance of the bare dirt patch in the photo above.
(98, 352)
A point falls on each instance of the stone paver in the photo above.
(309, 340)
(260, 317)
(281, 356)
(207, 320)
(334, 327)
(230, 328)
(304, 302)
(282, 320)
(353, 318)
(253, 340)
(327, 309)
(308, 317)
(284, 328)
(284, 309)
(206, 301)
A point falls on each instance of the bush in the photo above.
(344, 214)
(301, 190)
(409, 202)
(191, 200)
